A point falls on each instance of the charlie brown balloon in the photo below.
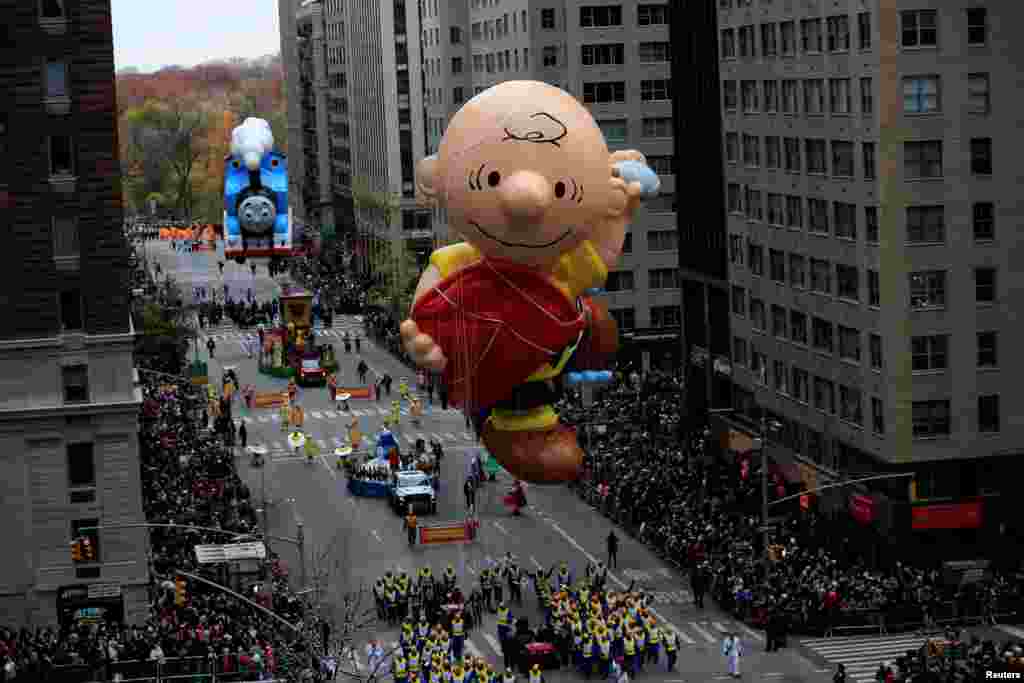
(527, 181)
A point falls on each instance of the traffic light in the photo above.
(88, 550)
(179, 591)
(76, 550)
(776, 552)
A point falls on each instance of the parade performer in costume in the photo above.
(526, 178)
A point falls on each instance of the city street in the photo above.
(367, 535)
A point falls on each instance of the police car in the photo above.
(412, 487)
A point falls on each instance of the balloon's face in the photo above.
(524, 172)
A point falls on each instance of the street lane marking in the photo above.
(719, 626)
(499, 527)
(493, 642)
(469, 436)
(435, 436)
(703, 634)
(383, 413)
(751, 632)
(472, 649)
(450, 436)
(263, 419)
(316, 414)
(536, 564)
(683, 636)
(376, 535)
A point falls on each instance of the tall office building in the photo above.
(616, 58)
(871, 241)
(354, 108)
(69, 403)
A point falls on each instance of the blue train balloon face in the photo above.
(256, 216)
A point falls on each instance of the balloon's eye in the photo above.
(275, 162)
(493, 178)
(559, 189)
(236, 163)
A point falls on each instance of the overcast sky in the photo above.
(150, 35)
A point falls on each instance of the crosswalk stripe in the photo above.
(322, 444)
(683, 636)
(450, 436)
(472, 649)
(435, 436)
(316, 414)
(264, 419)
(469, 436)
(278, 446)
(704, 634)
(720, 627)
(410, 439)
(493, 642)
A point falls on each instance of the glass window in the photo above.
(929, 352)
(81, 465)
(797, 271)
(919, 28)
(798, 327)
(56, 79)
(977, 26)
(928, 289)
(615, 130)
(985, 285)
(978, 93)
(981, 156)
(76, 383)
(849, 343)
(842, 158)
(921, 94)
(984, 221)
(922, 159)
(926, 224)
(62, 157)
(65, 236)
(988, 350)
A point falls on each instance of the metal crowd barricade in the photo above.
(73, 673)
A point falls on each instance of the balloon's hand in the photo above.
(422, 348)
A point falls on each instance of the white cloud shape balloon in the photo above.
(251, 140)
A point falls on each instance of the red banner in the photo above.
(862, 508)
(947, 516)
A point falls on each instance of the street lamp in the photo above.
(761, 443)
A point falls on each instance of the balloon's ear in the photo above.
(428, 181)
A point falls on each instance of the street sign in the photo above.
(215, 554)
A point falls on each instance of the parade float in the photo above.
(290, 349)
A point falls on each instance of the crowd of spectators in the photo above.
(188, 478)
(703, 511)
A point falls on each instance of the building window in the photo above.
(52, 9)
(787, 35)
(663, 278)
(455, 35)
(877, 416)
(847, 282)
(810, 35)
(76, 383)
(656, 90)
(769, 40)
(655, 52)
(875, 351)
(822, 335)
(977, 26)
(988, 351)
(868, 151)
(759, 318)
(798, 327)
(730, 95)
(985, 285)
(871, 232)
(867, 97)
(799, 384)
(930, 418)
(780, 377)
(928, 289)
(592, 16)
(615, 130)
(849, 343)
(625, 318)
(794, 212)
(662, 240)
(62, 156)
(824, 395)
(780, 327)
(816, 160)
(981, 156)
(627, 244)
(771, 97)
(978, 94)
(792, 155)
(734, 198)
(874, 289)
(458, 95)
(81, 465)
(747, 42)
(749, 95)
(845, 217)
(603, 54)
(839, 95)
(657, 127)
(850, 405)
(549, 55)
(921, 95)
(759, 366)
(71, 310)
(919, 28)
(814, 96)
(926, 224)
(838, 33)
(777, 265)
(930, 352)
(728, 43)
(751, 150)
(821, 276)
(864, 30)
(739, 351)
(755, 211)
(619, 281)
(547, 18)
(739, 301)
(817, 215)
(665, 316)
(797, 271)
(922, 159)
(842, 158)
(662, 164)
(988, 413)
(755, 258)
(56, 79)
(65, 236)
(653, 15)
(776, 212)
(736, 250)
(790, 96)
(606, 92)
(984, 221)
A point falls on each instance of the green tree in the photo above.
(394, 264)
(167, 329)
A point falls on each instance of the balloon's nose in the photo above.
(252, 160)
(525, 195)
